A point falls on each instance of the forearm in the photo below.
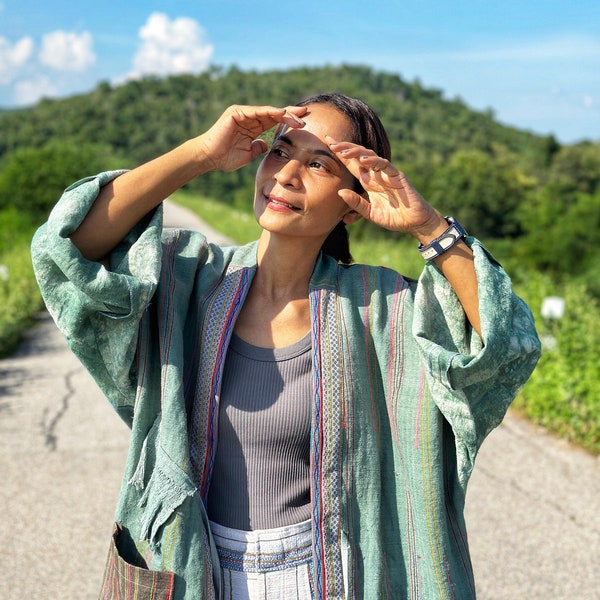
(128, 198)
(458, 267)
(232, 142)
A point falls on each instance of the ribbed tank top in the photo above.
(260, 478)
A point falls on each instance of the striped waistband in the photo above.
(265, 550)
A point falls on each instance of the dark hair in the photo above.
(367, 131)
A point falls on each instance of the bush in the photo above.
(563, 394)
(562, 232)
(32, 179)
(16, 228)
(20, 297)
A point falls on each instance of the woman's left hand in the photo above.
(390, 200)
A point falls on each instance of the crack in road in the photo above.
(48, 423)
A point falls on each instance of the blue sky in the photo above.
(534, 63)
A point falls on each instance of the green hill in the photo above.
(504, 183)
(144, 117)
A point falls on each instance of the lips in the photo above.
(280, 203)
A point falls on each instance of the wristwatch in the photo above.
(453, 234)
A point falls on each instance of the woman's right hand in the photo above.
(229, 144)
(233, 141)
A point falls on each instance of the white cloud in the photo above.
(67, 51)
(171, 47)
(30, 91)
(13, 57)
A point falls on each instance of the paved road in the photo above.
(532, 508)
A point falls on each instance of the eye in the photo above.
(315, 164)
(279, 152)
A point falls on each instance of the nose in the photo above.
(289, 174)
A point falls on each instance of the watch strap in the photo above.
(445, 241)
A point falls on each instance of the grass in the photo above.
(20, 297)
(563, 394)
(238, 225)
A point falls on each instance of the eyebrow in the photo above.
(318, 151)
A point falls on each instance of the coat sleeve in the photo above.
(98, 309)
(473, 384)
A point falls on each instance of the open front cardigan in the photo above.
(404, 393)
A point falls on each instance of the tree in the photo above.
(482, 191)
(562, 232)
(577, 168)
(32, 179)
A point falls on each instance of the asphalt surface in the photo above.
(532, 507)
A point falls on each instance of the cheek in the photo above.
(260, 172)
(263, 176)
(332, 206)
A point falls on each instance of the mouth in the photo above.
(279, 204)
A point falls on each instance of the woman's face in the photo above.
(298, 181)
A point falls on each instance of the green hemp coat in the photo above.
(404, 395)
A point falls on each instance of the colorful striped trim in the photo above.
(326, 454)
(261, 562)
(214, 339)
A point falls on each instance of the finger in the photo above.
(376, 164)
(367, 159)
(291, 120)
(293, 115)
(346, 150)
(267, 116)
(299, 111)
(348, 154)
(258, 147)
(356, 202)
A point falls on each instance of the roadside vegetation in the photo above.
(535, 202)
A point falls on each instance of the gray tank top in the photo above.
(261, 473)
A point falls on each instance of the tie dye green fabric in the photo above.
(404, 395)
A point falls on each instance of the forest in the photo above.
(534, 201)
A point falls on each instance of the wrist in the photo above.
(201, 156)
(430, 230)
(453, 233)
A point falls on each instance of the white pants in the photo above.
(268, 564)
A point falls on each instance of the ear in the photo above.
(351, 217)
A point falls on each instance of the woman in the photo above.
(300, 427)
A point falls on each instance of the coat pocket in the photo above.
(124, 580)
